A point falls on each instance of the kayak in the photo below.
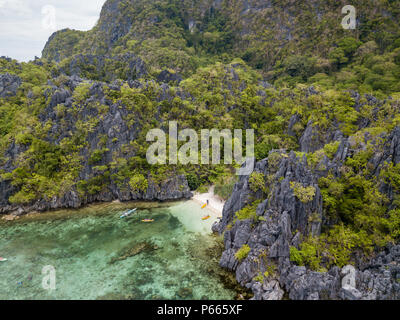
(204, 206)
(206, 218)
(148, 220)
(3, 259)
(128, 213)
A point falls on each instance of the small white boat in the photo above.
(128, 213)
(3, 259)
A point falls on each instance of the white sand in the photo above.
(216, 204)
(190, 213)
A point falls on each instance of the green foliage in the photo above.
(393, 224)
(345, 50)
(315, 158)
(304, 194)
(271, 270)
(308, 255)
(248, 212)
(257, 182)
(259, 278)
(7, 113)
(95, 184)
(139, 183)
(243, 252)
(47, 171)
(203, 189)
(81, 92)
(331, 149)
(62, 45)
(333, 248)
(269, 142)
(355, 200)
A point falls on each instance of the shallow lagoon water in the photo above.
(88, 249)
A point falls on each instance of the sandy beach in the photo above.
(216, 204)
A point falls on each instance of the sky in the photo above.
(26, 25)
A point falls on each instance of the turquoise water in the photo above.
(96, 255)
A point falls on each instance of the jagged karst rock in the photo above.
(314, 138)
(60, 96)
(285, 221)
(310, 285)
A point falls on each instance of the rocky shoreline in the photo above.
(284, 221)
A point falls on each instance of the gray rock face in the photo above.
(6, 190)
(311, 140)
(166, 76)
(283, 220)
(114, 29)
(309, 285)
(9, 85)
(268, 291)
(175, 188)
(60, 96)
(314, 138)
(131, 67)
